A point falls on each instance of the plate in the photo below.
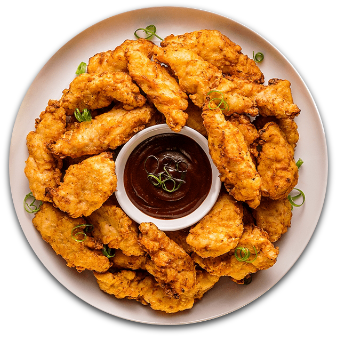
(56, 75)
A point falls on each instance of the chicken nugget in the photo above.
(171, 266)
(262, 255)
(231, 156)
(42, 169)
(86, 186)
(114, 228)
(57, 228)
(99, 90)
(273, 216)
(107, 131)
(220, 230)
(160, 87)
(276, 164)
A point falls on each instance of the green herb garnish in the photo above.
(291, 199)
(221, 101)
(85, 116)
(108, 252)
(299, 163)
(258, 57)
(82, 68)
(150, 31)
(31, 207)
(84, 233)
(161, 179)
(244, 254)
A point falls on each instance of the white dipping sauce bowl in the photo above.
(171, 224)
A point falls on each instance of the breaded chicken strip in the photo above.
(231, 156)
(114, 228)
(273, 216)
(86, 186)
(107, 131)
(42, 169)
(98, 90)
(276, 164)
(142, 287)
(196, 76)
(179, 237)
(276, 100)
(218, 50)
(122, 261)
(170, 265)
(229, 265)
(195, 120)
(114, 60)
(160, 87)
(220, 230)
(57, 227)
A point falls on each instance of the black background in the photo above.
(300, 300)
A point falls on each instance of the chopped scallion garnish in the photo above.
(150, 31)
(299, 163)
(84, 233)
(292, 198)
(221, 101)
(82, 68)
(108, 252)
(258, 57)
(31, 207)
(244, 254)
(85, 116)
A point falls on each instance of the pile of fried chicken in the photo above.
(251, 140)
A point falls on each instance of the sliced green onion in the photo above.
(86, 226)
(244, 254)
(108, 252)
(299, 163)
(150, 31)
(82, 68)
(31, 207)
(221, 101)
(258, 57)
(85, 116)
(292, 198)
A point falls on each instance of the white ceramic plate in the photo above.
(56, 75)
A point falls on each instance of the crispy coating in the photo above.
(231, 156)
(273, 216)
(219, 50)
(195, 120)
(122, 261)
(114, 60)
(171, 266)
(195, 75)
(276, 100)
(107, 131)
(220, 230)
(42, 169)
(276, 164)
(114, 228)
(228, 265)
(179, 237)
(86, 186)
(56, 228)
(160, 87)
(98, 90)
(142, 287)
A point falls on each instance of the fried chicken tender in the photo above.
(219, 50)
(114, 228)
(107, 131)
(114, 60)
(142, 287)
(195, 120)
(160, 87)
(231, 156)
(98, 90)
(196, 76)
(122, 261)
(56, 228)
(220, 230)
(228, 265)
(42, 169)
(179, 237)
(171, 266)
(276, 164)
(86, 186)
(273, 216)
(276, 100)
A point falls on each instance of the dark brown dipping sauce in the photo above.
(155, 201)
